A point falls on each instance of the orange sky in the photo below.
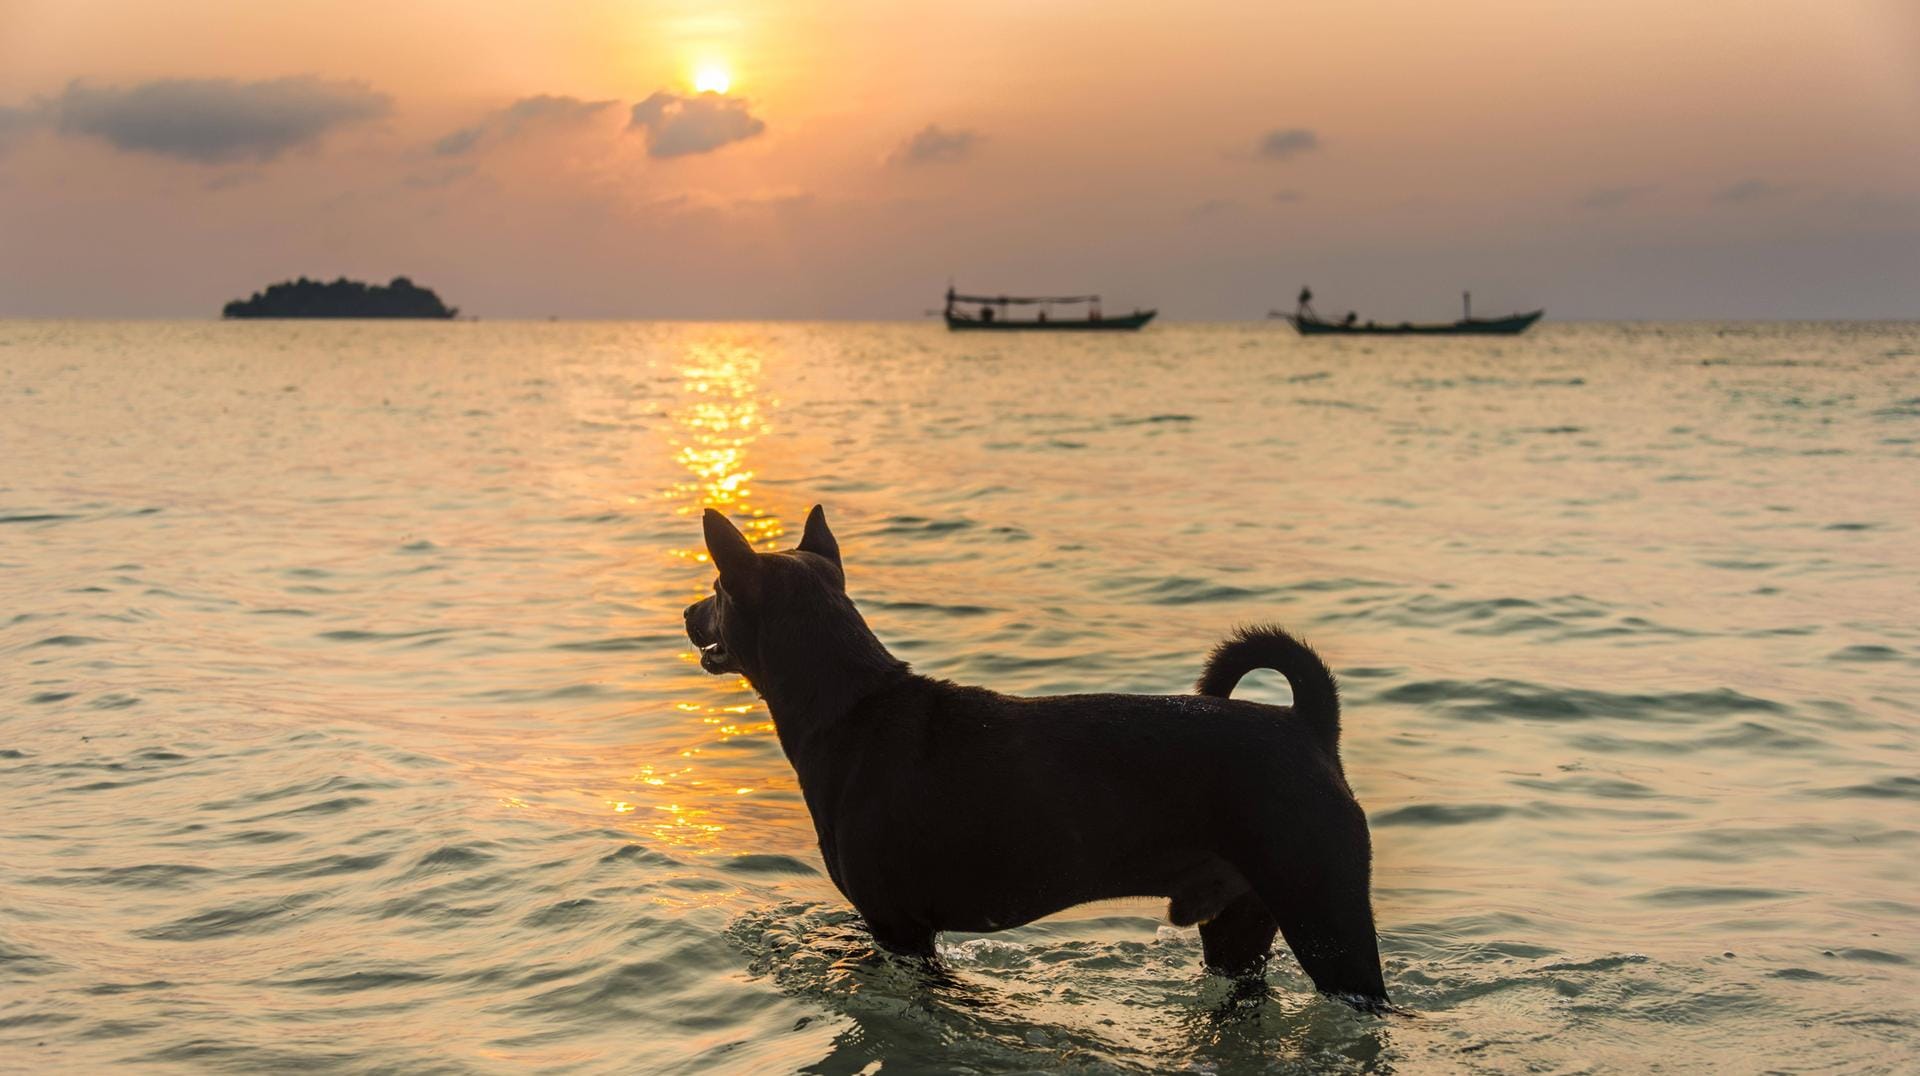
(1606, 159)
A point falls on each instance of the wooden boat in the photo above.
(1307, 323)
(992, 314)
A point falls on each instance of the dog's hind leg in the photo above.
(1318, 887)
(902, 940)
(1236, 941)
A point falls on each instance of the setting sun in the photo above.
(711, 78)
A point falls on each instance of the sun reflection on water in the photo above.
(716, 426)
(723, 413)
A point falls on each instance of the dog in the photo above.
(944, 807)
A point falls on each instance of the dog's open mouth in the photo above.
(715, 659)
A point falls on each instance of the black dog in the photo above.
(943, 807)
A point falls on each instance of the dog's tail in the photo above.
(1316, 698)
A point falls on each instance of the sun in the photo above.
(711, 78)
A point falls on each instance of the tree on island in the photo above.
(342, 298)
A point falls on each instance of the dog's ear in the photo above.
(817, 538)
(732, 554)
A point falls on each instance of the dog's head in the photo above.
(768, 605)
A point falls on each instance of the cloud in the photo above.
(779, 202)
(540, 110)
(460, 141)
(1278, 145)
(1750, 190)
(1886, 209)
(1613, 197)
(677, 126)
(214, 120)
(1289, 195)
(435, 178)
(698, 203)
(934, 144)
(230, 180)
(1214, 207)
(13, 123)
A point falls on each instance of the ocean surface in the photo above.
(346, 722)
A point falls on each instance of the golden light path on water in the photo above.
(714, 428)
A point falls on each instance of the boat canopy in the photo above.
(1021, 300)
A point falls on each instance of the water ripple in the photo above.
(353, 727)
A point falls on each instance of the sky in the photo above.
(586, 158)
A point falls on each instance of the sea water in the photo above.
(347, 723)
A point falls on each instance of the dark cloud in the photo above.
(934, 144)
(1286, 142)
(460, 141)
(677, 125)
(214, 120)
(541, 110)
(1750, 190)
(550, 108)
(1288, 196)
(1613, 197)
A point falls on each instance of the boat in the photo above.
(1309, 323)
(992, 314)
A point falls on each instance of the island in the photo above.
(343, 298)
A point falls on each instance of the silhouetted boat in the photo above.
(1308, 323)
(993, 314)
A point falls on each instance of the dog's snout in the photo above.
(699, 622)
(703, 627)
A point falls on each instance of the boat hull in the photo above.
(1124, 323)
(1514, 325)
